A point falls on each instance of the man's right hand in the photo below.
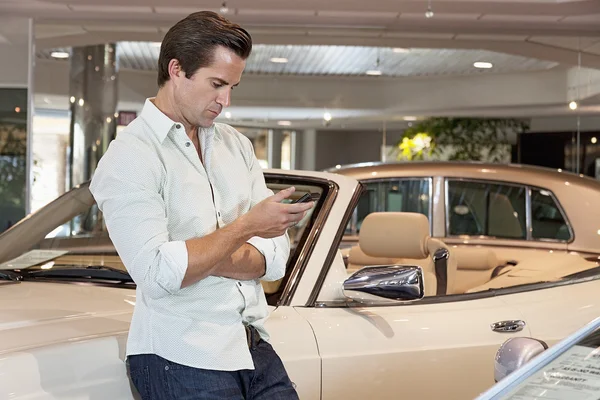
(271, 218)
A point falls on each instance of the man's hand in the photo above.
(271, 218)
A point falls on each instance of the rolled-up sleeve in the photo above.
(275, 250)
(127, 191)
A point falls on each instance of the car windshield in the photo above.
(568, 371)
(70, 234)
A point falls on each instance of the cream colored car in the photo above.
(496, 205)
(67, 302)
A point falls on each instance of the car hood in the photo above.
(40, 313)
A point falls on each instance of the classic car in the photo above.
(408, 317)
(570, 370)
(472, 203)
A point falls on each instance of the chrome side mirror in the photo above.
(391, 282)
(514, 353)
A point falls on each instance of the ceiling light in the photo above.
(59, 54)
(400, 50)
(409, 118)
(284, 123)
(17, 109)
(227, 114)
(327, 116)
(373, 72)
(594, 140)
(573, 105)
(279, 60)
(72, 99)
(224, 9)
(482, 64)
(429, 13)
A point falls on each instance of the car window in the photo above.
(486, 209)
(547, 220)
(403, 195)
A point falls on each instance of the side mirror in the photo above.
(391, 282)
(514, 353)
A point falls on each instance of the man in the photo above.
(187, 208)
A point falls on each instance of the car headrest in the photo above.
(395, 235)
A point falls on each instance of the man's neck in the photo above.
(164, 102)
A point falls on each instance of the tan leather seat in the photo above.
(475, 266)
(405, 237)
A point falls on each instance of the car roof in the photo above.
(527, 174)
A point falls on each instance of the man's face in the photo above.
(202, 97)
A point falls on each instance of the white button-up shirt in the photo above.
(155, 194)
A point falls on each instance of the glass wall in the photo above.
(13, 155)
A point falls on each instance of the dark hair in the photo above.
(192, 41)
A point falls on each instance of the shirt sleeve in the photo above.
(275, 250)
(127, 191)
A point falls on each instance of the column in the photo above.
(307, 149)
(93, 97)
(274, 141)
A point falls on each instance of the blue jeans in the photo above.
(156, 378)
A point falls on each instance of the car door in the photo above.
(439, 348)
(558, 310)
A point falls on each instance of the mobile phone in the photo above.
(307, 197)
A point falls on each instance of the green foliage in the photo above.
(13, 161)
(468, 138)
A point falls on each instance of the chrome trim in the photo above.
(390, 282)
(508, 326)
(505, 183)
(528, 216)
(312, 299)
(314, 234)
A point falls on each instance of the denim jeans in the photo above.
(156, 378)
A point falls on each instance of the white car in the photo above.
(343, 331)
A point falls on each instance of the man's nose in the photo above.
(224, 98)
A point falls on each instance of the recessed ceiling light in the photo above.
(400, 50)
(327, 116)
(594, 140)
(59, 54)
(284, 123)
(410, 118)
(279, 60)
(227, 114)
(373, 72)
(573, 105)
(482, 64)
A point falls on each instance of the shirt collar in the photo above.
(160, 124)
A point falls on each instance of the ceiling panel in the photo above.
(347, 60)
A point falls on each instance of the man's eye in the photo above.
(217, 85)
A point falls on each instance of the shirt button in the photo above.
(187, 144)
(240, 283)
(219, 213)
(178, 126)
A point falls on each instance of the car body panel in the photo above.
(409, 343)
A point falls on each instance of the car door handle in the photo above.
(508, 326)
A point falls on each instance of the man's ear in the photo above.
(175, 70)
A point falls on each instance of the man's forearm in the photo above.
(244, 264)
(205, 254)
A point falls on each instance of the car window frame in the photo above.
(528, 213)
(366, 182)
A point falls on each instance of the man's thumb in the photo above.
(283, 194)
